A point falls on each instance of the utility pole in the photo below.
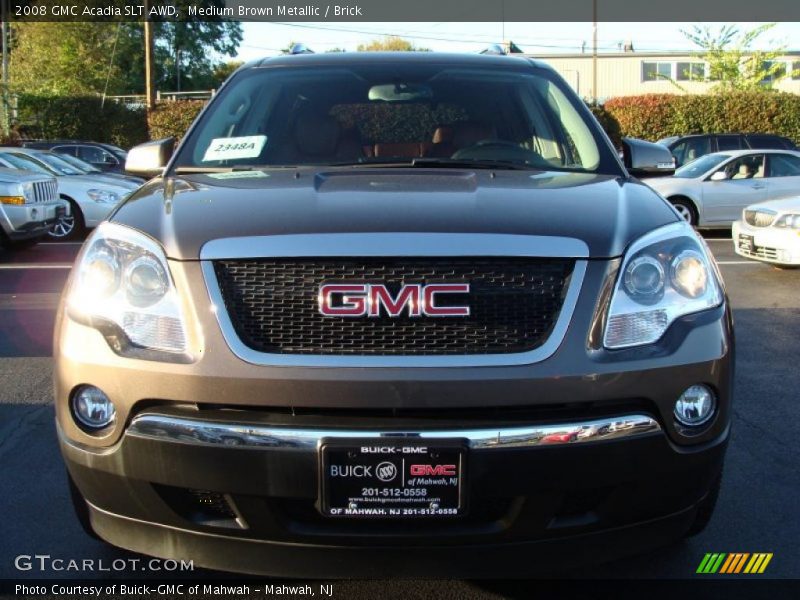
(594, 51)
(6, 124)
(148, 58)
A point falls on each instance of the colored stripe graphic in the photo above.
(734, 562)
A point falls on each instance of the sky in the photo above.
(267, 39)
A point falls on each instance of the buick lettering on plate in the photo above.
(392, 481)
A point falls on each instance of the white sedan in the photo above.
(712, 190)
(770, 232)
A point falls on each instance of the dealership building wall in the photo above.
(634, 73)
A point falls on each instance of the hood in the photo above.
(90, 181)
(183, 213)
(785, 205)
(119, 179)
(21, 176)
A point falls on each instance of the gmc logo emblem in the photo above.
(434, 470)
(372, 300)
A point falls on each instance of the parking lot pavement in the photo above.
(756, 512)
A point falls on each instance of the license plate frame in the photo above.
(746, 242)
(428, 478)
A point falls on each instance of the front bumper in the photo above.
(30, 221)
(534, 507)
(770, 244)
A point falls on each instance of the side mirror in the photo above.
(719, 176)
(150, 158)
(646, 159)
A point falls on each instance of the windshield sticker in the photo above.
(239, 175)
(235, 147)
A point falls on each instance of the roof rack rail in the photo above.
(300, 49)
(494, 49)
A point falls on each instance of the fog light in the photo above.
(695, 406)
(92, 408)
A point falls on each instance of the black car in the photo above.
(106, 157)
(689, 147)
(394, 314)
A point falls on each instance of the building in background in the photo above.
(632, 73)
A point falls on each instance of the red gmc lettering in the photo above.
(433, 470)
(372, 300)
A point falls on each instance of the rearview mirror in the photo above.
(646, 159)
(719, 176)
(150, 158)
(400, 92)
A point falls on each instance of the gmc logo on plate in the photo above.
(434, 470)
(373, 300)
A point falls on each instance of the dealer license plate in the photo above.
(394, 478)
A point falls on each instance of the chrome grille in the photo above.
(759, 217)
(273, 305)
(760, 252)
(44, 191)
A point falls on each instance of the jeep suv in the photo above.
(390, 315)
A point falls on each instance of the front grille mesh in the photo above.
(759, 218)
(514, 302)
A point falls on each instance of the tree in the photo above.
(390, 43)
(733, 65)
(62, 58)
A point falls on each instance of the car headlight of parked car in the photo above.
(665, 275)
(103, 196)
(789, 221)
(122, 286)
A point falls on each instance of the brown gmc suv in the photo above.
(394, 314)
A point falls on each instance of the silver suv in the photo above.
(29, 204)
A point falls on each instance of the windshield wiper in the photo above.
(473, 163)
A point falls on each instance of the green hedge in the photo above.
(173, 118)
(81, 117)
(654, 116)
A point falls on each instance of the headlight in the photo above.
(665, 274)
(103, 196)
(788, 221)
(27, 192)
(122, 285)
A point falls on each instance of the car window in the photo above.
(700, 166)
(691, 149)
(396, 113)
(68, 150)
(784, 165)
(767, 141)
(728, 142)
(95, 155)
(750, 166)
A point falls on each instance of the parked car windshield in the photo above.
(21, 161)
(397, 113)
(79, 164)
(56, 163)
(701, 165)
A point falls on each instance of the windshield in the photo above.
(79, 164)
(56, 163)
(20, 161)
(697, 167)
(397, 113)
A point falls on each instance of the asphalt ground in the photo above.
(757, 510)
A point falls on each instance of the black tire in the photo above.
(705, 509)
(686, 208)
(81, 509)
(68, 228)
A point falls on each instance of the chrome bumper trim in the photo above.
(244, 435)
